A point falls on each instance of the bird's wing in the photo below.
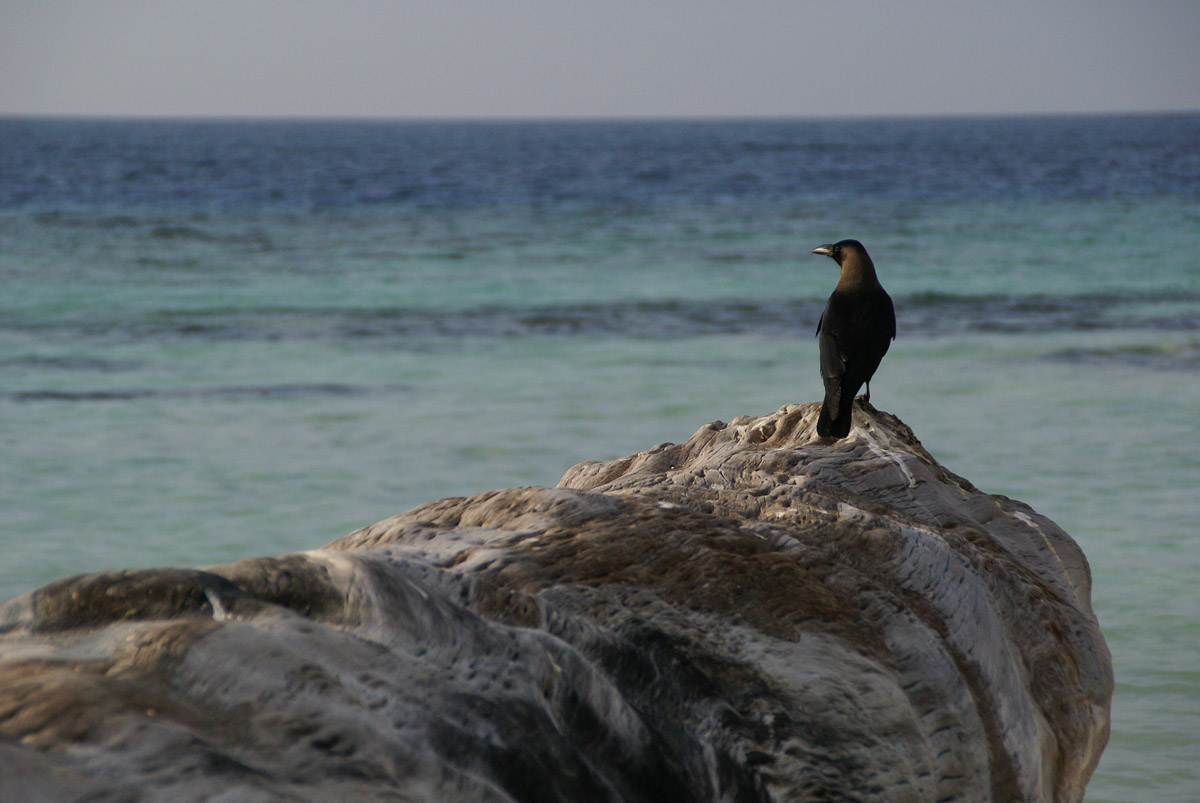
(833, 368)
(833, 359)
(890, 313)
(833, 355)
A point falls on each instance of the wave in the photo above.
(1158, 357)
(227, 392)
(66, 363)
(922, 315)
(939, 315)
(159, 227)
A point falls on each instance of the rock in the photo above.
(752, 615)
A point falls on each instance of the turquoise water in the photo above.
(227, 340)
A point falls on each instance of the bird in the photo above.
(855, 330)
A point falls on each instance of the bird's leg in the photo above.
(867, 395)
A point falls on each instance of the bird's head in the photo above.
(840, 251)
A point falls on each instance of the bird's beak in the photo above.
(824, 250)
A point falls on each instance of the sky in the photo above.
(600, 58)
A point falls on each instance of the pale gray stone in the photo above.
(756, 614)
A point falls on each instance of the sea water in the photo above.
(228, 339)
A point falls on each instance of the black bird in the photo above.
(856, 328)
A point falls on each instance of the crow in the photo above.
(856, 328)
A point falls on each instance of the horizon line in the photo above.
(575, 119)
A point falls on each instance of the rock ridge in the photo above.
(754, 614)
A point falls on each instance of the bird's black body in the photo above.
(856, 328)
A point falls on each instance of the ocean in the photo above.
(226, 339)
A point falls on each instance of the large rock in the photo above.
(752, 615)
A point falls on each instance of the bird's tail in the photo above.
(839, 427)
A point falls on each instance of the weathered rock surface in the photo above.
(751, 615)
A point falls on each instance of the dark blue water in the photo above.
(223, 339)
(74, 164)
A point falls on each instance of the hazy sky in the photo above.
(572, 58)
